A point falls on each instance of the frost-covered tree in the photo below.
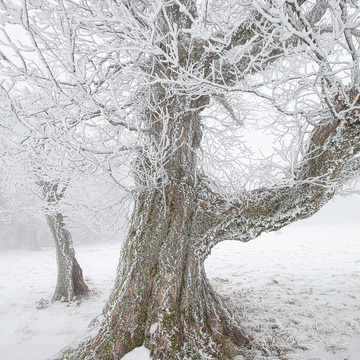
(33, 168)
(168, 92)
(70, 280)
(38, 164)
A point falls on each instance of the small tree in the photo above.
(33, 165)
(162, 84)
(40, 162)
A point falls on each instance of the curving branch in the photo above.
(331, 160)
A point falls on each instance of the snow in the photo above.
(27, 282)
(153, 328)
(138, 353)
(296, 290)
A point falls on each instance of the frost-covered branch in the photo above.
(330, 161)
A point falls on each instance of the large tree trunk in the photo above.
(70, 281)
(162, 296)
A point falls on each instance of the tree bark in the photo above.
(162, 297)
(70, 281)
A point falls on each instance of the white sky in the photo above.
(338, 211)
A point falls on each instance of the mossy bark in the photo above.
(162, 298)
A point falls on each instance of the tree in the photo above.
(39, 162)
(70, 280)
(43, 174)
(162, 83)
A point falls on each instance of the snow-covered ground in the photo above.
(297, 290)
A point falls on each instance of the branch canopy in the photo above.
(170, 92)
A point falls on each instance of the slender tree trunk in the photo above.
(70, 281)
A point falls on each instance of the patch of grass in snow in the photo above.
(281, 328)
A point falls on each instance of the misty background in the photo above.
(23, 230)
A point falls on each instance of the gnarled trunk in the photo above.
(70, 281)
(162, 297)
